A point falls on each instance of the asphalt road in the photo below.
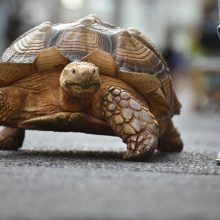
(78, 176)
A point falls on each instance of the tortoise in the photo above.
(88, 76)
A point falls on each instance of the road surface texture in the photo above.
(76, 176)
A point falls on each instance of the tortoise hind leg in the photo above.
(11, 138)
(132, 121)
(170, 141)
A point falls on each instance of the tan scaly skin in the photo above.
(80, 89)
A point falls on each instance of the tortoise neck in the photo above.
(72, 103)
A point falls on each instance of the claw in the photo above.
(128, 155)
(137, 153)
(134, 155)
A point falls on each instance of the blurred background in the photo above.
(184, 30)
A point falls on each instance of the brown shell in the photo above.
(131, 50)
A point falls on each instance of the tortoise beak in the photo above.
(83, 85)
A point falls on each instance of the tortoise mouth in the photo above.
(80, 90)
(85, 85)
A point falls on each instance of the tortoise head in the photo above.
(80, 79)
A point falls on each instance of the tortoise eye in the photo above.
(93, 70)
(73, 71)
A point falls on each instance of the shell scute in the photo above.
(26, 47)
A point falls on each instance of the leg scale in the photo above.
(132, 121)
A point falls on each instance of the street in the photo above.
(79, 176)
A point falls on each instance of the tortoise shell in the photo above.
(131, 51)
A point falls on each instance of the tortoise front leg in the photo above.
(132, 121)
(11, 138)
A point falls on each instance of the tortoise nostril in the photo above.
(73, 71)
(93, 71)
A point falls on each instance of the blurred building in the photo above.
(208, 37)
(152, 17)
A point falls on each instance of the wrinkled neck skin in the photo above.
(72, 102)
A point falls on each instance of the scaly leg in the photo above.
(11, 138)
(171, 141)
(132, 121)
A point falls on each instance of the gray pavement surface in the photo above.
(79, 176)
